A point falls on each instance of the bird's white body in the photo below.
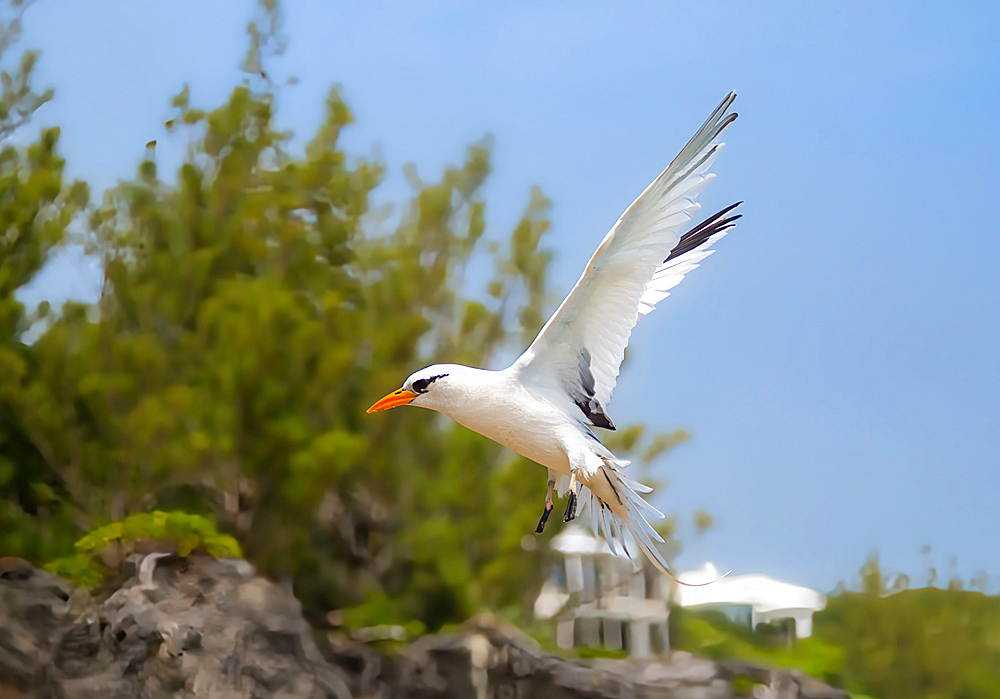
(542, 425)
(520, 421)
(544, 405)
(498, 405)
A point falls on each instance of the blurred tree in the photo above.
(35, 210)
(18, 100)
(251, 311)
(702, 521)
(247, 321)
(927, 642)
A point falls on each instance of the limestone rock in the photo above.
(202, 627)
(34, 607)
(488, 659)
(196, 627)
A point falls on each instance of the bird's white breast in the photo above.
(502, 409)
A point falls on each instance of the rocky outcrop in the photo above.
(195, 627)
(34, 611)
(201, 627)
(487, 659)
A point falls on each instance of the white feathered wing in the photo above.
(640, 259)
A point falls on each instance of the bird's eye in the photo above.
(421, 385)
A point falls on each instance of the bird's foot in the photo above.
(570, 513)
(545, 518)
(548, 507)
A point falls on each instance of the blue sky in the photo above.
(837, 362)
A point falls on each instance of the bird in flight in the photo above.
(546, 403)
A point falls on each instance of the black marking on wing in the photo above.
(582, 394)
(703, 231)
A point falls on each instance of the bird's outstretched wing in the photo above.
(580, 349)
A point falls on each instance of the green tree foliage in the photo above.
(18, 99)
(927, 642)
(252, 309)
(35, 210)
(36, 207)
(251, 312)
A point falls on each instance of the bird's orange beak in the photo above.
(393, 400)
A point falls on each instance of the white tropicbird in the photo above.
(544, 405)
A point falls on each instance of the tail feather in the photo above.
(594, 506)
(616, 505)
(647, 528)
(586, 498)
(635, 501)
(634, 485)
(608, 533)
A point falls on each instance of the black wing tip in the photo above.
(726, 103)
(720, 117)
(701, 233)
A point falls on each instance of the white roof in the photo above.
(760, 591)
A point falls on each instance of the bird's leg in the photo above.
(570, 514)
(548, 508)
(571, 497)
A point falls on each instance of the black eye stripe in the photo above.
(421, 385)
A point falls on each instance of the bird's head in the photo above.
(427, 388)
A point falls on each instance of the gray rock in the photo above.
(201, 627)
(196, 627)
(491, 659)
(33, 607)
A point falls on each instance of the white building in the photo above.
(597, 599)
(751, 599)
(600, 600)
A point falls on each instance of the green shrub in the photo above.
(180, 532)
